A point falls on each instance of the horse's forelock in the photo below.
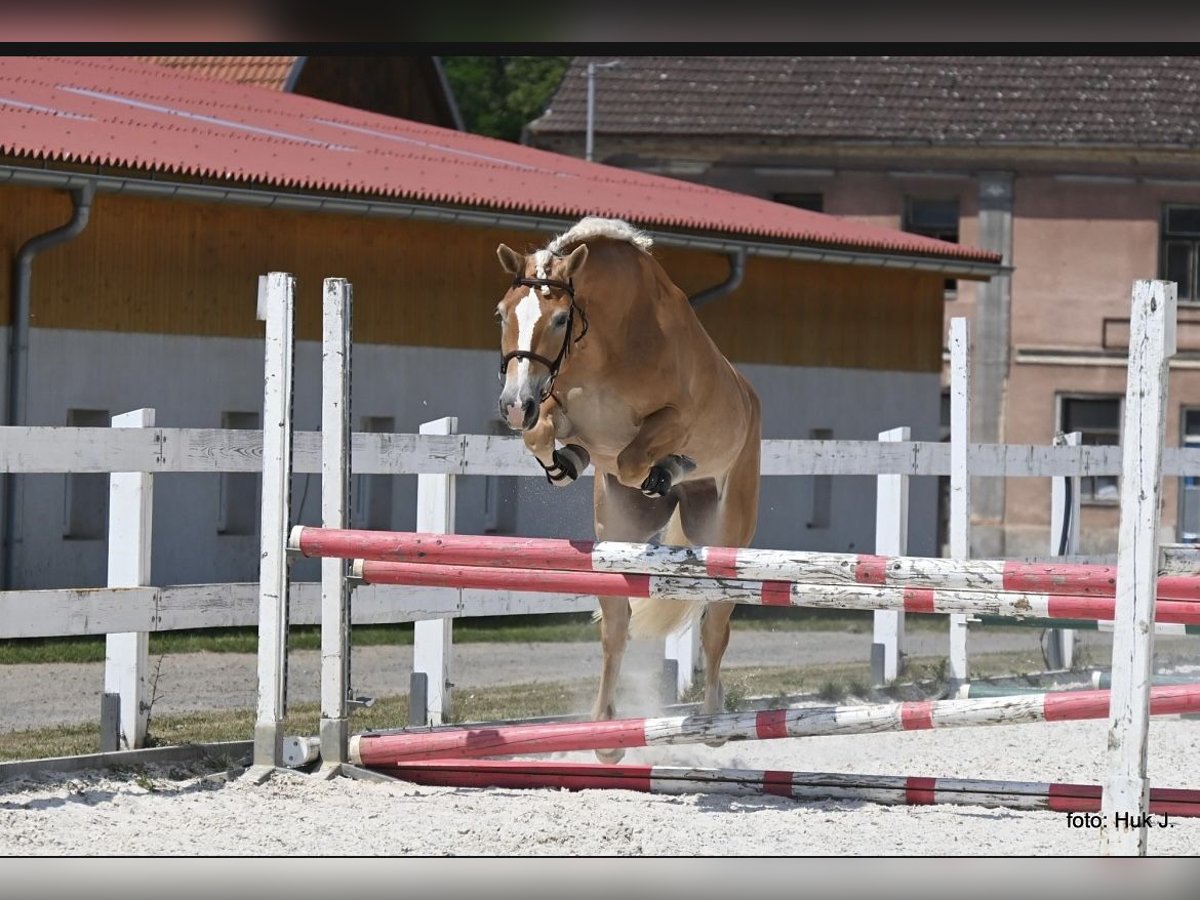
(597, 227)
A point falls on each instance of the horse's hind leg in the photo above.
(622, 514)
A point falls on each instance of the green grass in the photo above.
(846, 682)
(561, 627)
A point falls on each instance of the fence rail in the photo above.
(70, 450)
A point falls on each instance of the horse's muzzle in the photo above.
(520, 416)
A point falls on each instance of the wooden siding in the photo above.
(148, 265)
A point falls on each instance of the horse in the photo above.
(603, 353)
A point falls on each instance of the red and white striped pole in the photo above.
(884, 789)
(761, 593)
(1067, 579)
(387, 749)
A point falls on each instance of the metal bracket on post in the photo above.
(418, 699)
(1059, 651)
(110, 722)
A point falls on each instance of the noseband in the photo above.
(552, 364)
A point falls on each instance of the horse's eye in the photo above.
(559, 320)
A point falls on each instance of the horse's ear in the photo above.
(512, 261)
(575, 261)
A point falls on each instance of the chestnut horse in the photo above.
(601, 351)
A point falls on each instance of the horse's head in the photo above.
(538, 321)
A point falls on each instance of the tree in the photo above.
(499, 95)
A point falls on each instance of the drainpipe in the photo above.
(737, 268)
(18, 351)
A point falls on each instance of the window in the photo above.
(935, 219)
(238, 501)
(372, 494)
(1189, 486)
(1179, 250)
(1098, 421)
(499, 494)
(813, 202)
(822, 486)
(85, 500)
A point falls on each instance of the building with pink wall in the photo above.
(1083, 171)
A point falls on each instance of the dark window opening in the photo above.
(936, 219)
(815, 202)
(1098, 421)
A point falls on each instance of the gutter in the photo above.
(737, 268)
(271, 199)
(289, 84)
(18, 351)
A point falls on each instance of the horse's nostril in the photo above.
(529, 408)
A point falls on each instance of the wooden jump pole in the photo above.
(809, 786)
(759, 593)
(796, 566)
(386, 749)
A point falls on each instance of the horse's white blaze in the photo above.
(529, 310)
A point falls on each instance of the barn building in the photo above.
(141, 204)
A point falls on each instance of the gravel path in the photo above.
(64, 694)
(166, 811)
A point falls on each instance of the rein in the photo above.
(552, 364)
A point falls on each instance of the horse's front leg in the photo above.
(561, 466)
(648, 462)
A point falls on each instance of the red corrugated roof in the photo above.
(118, 112)
(265, 71)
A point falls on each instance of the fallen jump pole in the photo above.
(1066, 579)
(759, 593)
(883, 789)
(374, 750)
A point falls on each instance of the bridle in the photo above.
(552, 364)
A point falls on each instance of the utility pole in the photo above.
(591, 100)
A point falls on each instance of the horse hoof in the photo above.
(568, 463)
(657, 483)
(610, 757)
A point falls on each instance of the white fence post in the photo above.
(1064, 541)
(433, 638)
(276, 304)
(337, 309)
(891, 539)
(960, 481)
(127, 655)
(1126, 787)
(681, 650)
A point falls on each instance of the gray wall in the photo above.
(191, 381)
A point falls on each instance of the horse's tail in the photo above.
(660, 616)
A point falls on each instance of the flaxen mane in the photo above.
(596, 227)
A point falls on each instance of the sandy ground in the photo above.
(167, 811)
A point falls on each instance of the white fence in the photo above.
(134, 450)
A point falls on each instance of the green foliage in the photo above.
(499, 95)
